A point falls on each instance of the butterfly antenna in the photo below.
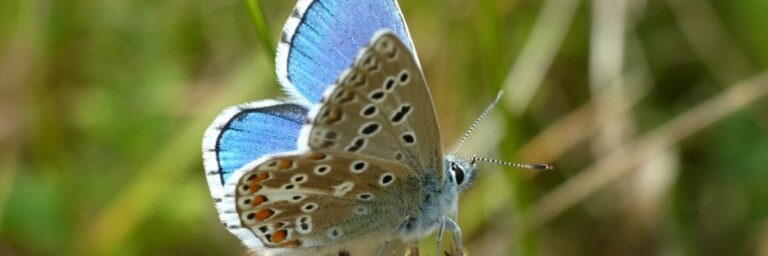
(477, 121)
(474, 160)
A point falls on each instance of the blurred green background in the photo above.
(653, 113)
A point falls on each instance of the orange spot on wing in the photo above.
(284, 164)
(316, 156)
(291, 244)
(334, 115)
(258, 200)
(279, 236)
(260, 177)
(254, 188)
(264, 214)
(255, 180)
(347, 97)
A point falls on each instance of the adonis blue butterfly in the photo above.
(352, 164)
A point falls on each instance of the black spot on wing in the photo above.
(370, 128)
(284, 38)
(398, 117)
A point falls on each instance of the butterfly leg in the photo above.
(456, 232)
(440, 230)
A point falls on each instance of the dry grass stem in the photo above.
(527, 73)
(579, 124)
(622, 160)
(710, 41)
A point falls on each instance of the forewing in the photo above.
(309, 199)
(380, 107)
(244, 133)
(322, 37)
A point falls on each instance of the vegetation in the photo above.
(653, 113)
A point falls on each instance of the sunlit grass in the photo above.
(103, 105)
(262, 29)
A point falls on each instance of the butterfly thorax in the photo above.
(438, 199)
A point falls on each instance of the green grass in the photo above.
(103, 105)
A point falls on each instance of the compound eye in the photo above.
(458, 173)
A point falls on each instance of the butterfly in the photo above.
(352, 163)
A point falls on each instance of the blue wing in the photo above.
(322, 38)
(243, 133)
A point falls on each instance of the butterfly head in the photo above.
(462, 171)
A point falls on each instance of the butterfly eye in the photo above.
(458, 173)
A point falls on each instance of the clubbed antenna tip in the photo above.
(540, 166)
(536, 166)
